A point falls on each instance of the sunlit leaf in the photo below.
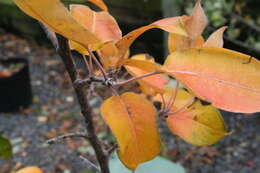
(200, 126)
(132, 120)
(216, 38)
(55, 16)
(100, 4)
(197, 22)
(228, 79)
(142, 64)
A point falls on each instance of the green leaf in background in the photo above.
(156, 165)
(5, 147)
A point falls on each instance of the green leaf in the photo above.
(5, 148)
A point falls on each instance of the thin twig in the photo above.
(112, 149)
(173, 96)
(66, 136)
(97, 62)
(90, 163)
(88, 67)
(135, 78)
(163, 100)
(190, 103)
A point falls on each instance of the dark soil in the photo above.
(54, 112)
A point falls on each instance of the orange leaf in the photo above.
(200, 126)
(216, 38)
(142, 64)
(228, 79)
(30, 169)
(179, 42)
(56, 17)
(172, 25)
(102, 24)
(197, 22)
(100, 4)
(132, 120)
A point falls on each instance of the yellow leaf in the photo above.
(216, 38)
(56, 17)
(200, 126)
(30, 169)
(228, 79)
(182, 98)
(100, 4)
(142, 64)
(197, 22)
(132, 120)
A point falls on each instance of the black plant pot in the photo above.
(15, 90)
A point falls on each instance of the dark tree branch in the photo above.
(86, 109)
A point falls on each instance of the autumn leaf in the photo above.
(200, 126)
(228, 79)
(30, 169)
(100, 4)
(102, 24)
(179, 42)
(142, 64)
(194, 26)
(196, 124)
(55, 16)
(216, 38)
(171, 24)
(132, 120)
(196, 23)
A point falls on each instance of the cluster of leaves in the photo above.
(235, 14)
(227, 79)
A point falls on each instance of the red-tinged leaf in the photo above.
(216, 38)
(200, 126)
(179, 42)
(132, 120)
(102, 24)
(100, 4)
(228, 79)
(55, 16)
(142, 64)
(172, 25)
(197, 22)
